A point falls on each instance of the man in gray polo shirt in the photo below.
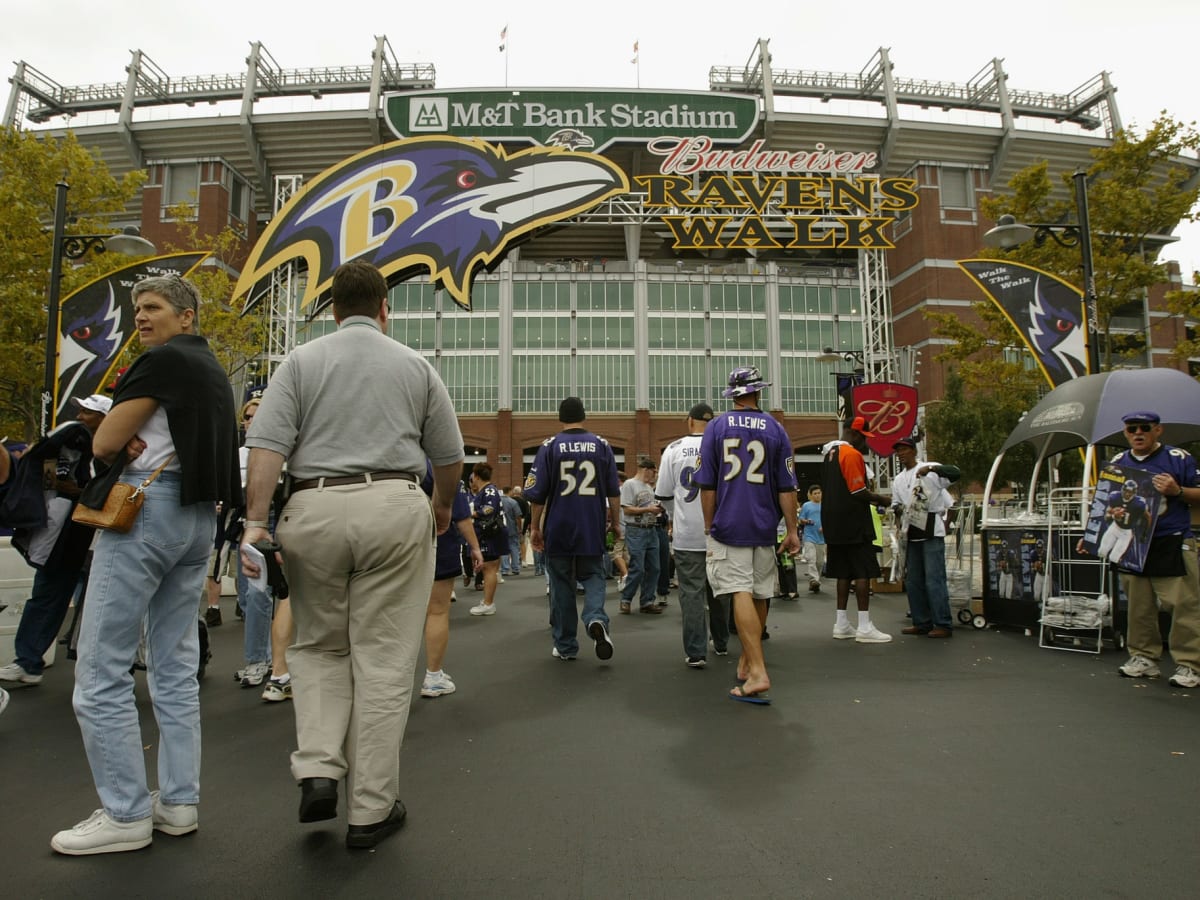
(355, 415)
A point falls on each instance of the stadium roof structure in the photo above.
(261, 141)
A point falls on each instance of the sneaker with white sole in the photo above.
(436, 684)
(1140, 667)
(598, 633)
(277, 690)
(172, 818)
(871, 635)
(696, 662)
(565, 657)
(14, 672)
(1185, 677)
(484, 609)
(100, 834)
(844, 632)
(621, 582)
(255, 674)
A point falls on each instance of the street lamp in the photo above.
(1008, 233)
(74, 246)
(830, 355)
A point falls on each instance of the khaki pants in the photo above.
(359, 559)
(1181, 597)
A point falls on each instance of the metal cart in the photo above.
(960, 563)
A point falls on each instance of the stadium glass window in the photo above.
(955, 188)
(806, 386)
(183, 184)
(669, 296)
(540, 381)
(417, 333)
(541, 295)
(604, 331)
(612, 296)
(739, 334)
(466, 331)
(681, 333)
(605, 382)
(471, 379)
(411, 297)
(535, 332)
(738, 297)
(677, 381)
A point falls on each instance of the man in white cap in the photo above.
(41, 491)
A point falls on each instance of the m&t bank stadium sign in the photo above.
(580, 120)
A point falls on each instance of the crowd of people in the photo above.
(340, 586)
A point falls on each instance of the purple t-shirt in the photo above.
(573, 475)
(1174, 514)
(746, 457)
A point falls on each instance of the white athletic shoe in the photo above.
(1185, 677)
(100, 834)
(176, 819)
(871, 635)
(483, 609)
(1140, 667)
(844, 632)
(436, 684)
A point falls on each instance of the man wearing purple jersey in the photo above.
(574, 496)
(747, 482)
(1169, 576)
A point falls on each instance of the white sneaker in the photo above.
(483, 609)
(176, 819)
(255, 674)
(100, 834)
(1185, 677)
(844, 632)
(277, 691)
(499, 579)
(565, 658)
(14, 672)
(436, 684)
(871, 635)
(1141, 667)
(621, 582)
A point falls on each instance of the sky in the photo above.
(1050, 45)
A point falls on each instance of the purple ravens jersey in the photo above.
(1174, 514)
(489, 521)
(1126, 513)
(449, 545)
(574, 474)
(746, 457)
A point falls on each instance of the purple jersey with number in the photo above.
(573, 475)
(1174, 515)
(746, 457)
(449, 545)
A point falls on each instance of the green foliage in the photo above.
(969, 434)
(30, 166)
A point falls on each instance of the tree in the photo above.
(1137, 188)
(237, 340)
(30, 166)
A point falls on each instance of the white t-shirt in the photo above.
(681, 497)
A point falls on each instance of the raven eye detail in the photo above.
(1063, 325)
(466, 179)
(82, 333)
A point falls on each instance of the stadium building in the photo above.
(776, 216)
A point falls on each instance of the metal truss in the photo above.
(284, 290)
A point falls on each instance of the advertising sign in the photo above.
(890, 410)
(1122, 517)
(582, 119)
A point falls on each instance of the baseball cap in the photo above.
(1144, 415)
(701, 412)
(905, 442)
(96, 403)
(860, 425)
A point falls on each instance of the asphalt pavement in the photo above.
(981, 766)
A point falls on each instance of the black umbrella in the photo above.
(1088, 410)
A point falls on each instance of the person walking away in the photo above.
(677, 491)
(355, 415)
(573, 492)
(172, 413)
(921, 501)
(850, 530)
(641, 537)
(747, 483)
(492, 531)
(510, 562)
(812, 548)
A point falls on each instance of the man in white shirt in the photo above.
(681, 497)
(919, 494)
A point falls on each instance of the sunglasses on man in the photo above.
(1135, 427)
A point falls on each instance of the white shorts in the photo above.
(734, 570)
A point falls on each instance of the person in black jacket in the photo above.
(58, 466)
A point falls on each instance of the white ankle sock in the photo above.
(864, 621)
(842, 618)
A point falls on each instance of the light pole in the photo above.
(74, 246)
(1008, 233)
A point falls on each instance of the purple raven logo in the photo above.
(571, 138)
(96, 325)
(442, 203)
(1054, 330)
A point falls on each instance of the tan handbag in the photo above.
(121, 506)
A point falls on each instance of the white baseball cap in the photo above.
(96, 403)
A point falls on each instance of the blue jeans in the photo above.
(642, 546)
(539, 562)
(693, 591)
(925, 582)
(565, 572)
(256, 605)
(43, 616)
(510, 562)
(153, 574)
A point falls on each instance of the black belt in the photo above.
(338, 480)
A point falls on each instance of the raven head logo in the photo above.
(571, 138)
(96, 325)
(443, 203)
(1055, 329)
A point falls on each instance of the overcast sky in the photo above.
(1050, 45)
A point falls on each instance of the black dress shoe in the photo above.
(318, 799)
(363, 837)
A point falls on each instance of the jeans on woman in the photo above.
(154, 573)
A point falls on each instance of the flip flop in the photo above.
(760, 698)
